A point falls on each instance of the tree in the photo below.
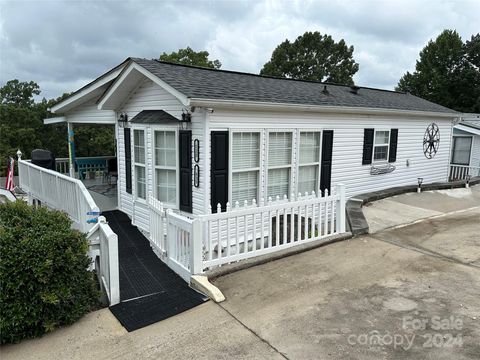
(313, 56)
(21, 126)
(19, 93)
(190, 57)
(447, 72)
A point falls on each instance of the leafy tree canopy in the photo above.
(19, 93)
(190, 57)
(447, 72)
(313, 56)
(21, 127)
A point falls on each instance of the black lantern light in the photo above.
(122, 118)
(420, 181)
(186, 118)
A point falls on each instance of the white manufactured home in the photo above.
(247, 164)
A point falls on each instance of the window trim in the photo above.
(318, 164)
(231, 171)
(292, 131)
(135, 164)
(383, 161)
(174, 129)
(453, 149)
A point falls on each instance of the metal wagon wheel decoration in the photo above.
(431, 141)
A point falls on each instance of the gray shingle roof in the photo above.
(154, 117)
(202, 83)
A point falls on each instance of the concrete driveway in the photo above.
(408, 292)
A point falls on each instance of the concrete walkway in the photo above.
(348, 300)
(410, 207)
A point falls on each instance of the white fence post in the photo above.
(196, 247)
(340, 191)
(114, 271)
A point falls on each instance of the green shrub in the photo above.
(44, 281)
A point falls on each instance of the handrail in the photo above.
(58, 191)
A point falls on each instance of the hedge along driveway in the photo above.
(43, 272)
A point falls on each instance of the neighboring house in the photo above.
(466, 145)
(201, 140)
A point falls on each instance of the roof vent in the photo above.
(354, 89)
(325, 91)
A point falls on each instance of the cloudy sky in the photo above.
(62, 45)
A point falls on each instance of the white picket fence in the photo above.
(58, 191)
(460, 172)
(190, 246)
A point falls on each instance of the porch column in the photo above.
(71, 150)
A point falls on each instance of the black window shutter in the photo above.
(128, 160)
(185, 147)
(368, 146)
(219, 170)
(326, 164)
(392, 153)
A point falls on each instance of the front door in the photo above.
(185, 152)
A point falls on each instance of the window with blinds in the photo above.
(381, 145)
(461, 150)
(245, 166)
(139, 163)
(279, 164)
(309, 162)
(166, 166)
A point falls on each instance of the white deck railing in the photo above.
(102, 237)
(58, 191)
(460, 172)
(190, 246)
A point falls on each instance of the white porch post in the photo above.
(71, 150)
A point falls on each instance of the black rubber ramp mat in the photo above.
(149, 290)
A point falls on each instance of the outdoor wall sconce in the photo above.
(123, 118)
(196, 150)
(467, 180)
(186, 118)
(196, 176)
(420, 181)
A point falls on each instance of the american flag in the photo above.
(9, 185)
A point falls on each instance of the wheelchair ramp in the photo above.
(149, 290)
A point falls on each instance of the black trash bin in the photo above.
(43, 158)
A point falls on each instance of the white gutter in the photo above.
(468, 129)
(314, 108)
(54, 120)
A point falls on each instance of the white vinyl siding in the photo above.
(381, 145)
(309, 162)
(462, 147)
(245, 166)
(166, 166)
(279, 164)
(348, 138)
(139, 160)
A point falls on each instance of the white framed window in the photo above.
(279, 164)
(461, 149)
(309, 162)
(245, 166)
(139, 163)
(381, 144)
(165, 165)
